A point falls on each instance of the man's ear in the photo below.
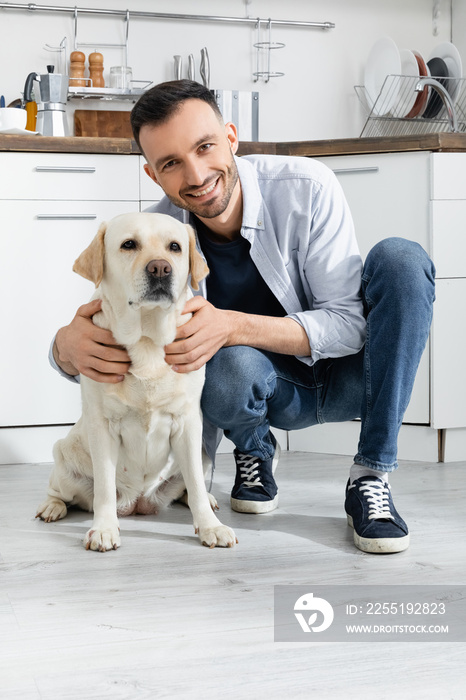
(149, 171)
(231, 133)
(197, 264)
(90, 263)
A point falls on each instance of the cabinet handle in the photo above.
(90, 217)
(368, 169)
(64, 169)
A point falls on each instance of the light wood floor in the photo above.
(164, 617)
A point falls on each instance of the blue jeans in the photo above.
(247, 391)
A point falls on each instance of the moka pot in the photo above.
(51, 97)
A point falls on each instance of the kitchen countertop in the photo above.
(332, 147)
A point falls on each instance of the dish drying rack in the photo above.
(388, 115)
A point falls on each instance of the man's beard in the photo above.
(210, 210)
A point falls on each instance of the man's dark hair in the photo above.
(159, 103)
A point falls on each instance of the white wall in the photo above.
(314, 100)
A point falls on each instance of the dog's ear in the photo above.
(197, 264)
(90, 263)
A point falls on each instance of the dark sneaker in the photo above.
(255, 490)
(370, 511)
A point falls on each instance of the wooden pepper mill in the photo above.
(96, 69)
(77, 59)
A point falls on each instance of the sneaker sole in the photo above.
(241, 506)
(384, 545)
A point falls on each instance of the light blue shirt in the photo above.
(297, 220)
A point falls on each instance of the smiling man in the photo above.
(293, 330)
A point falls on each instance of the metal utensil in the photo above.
(191, 68)
(205, 67)
(178, 67)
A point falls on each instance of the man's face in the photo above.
(191, 157)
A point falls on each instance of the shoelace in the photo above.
(377, 496)
(248, 470)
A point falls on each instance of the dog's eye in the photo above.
(175, 247)
(128, 245)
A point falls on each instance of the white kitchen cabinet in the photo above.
(448, 350)
(388, 195)
(52, 203)
(421, 196)
(448, 240)
(48, 217)
(448, 245)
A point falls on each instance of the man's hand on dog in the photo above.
(84, 348)
(198, 339)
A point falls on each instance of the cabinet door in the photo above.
(388, 195)
(448, 237)
(39, 294)
(448, 344)
(448, 180)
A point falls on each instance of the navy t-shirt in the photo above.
(234, 282)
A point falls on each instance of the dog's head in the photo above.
(146, 257)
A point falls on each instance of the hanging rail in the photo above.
(33, 7)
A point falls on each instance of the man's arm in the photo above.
(209, 329)
(84, 348)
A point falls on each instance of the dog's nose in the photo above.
(159, 268)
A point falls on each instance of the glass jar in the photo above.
(121, 77)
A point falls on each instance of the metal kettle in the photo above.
(51, 97)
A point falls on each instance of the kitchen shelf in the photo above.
(394, 111)
(84, 93)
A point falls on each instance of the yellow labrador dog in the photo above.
(138, 444)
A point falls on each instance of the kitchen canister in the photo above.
(121, 77)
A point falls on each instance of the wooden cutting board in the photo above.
(93, 122)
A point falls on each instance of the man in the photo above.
(292, 329)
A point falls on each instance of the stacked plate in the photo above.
(386, 67)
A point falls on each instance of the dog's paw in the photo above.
(219, 536)
(102, 539)
(51, 509)
(212, 501)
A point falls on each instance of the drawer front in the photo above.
(449, 237)
(41, 293)
(388, 195)
(150, 192)
(76, 176)
(448, 176)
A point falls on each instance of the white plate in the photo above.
(409, 67)
(450, 54)
(384, 59)
(15, 130)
